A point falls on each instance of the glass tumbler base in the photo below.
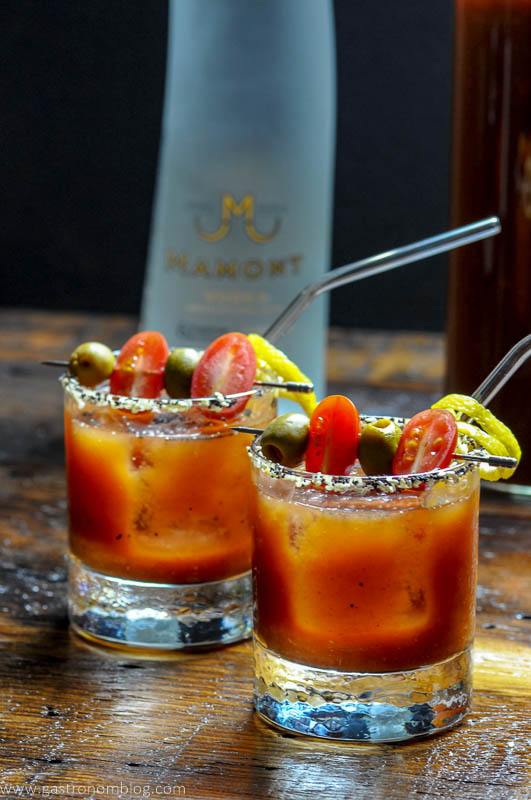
(361, 707)
(158, 616)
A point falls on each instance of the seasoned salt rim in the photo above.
(139, 405)
(366, 484)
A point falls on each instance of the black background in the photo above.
(82, 84)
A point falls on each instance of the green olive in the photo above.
(179, 370)
(91, 363)
(285, 439)
(378, 443)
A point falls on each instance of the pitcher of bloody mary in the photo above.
(489, 306)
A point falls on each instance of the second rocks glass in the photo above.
(365, 600)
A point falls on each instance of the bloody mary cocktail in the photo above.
(159, 485)
(159, 513)
(364, 599)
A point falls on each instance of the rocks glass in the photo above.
(365, 600)
(159, 519)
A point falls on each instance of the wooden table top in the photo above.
(80, 721)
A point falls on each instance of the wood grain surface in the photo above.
(79, 721)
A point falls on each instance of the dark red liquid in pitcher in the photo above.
(490, 282)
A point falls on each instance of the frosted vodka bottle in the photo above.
(243, 201)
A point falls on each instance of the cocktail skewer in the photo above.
(507, 462)
(383, 262)
(245, 429)
(485, 392)
(288, 386)
(494, 461)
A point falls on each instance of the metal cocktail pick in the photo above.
(288, 386)
(383, 262)
(485, 392)
(493, 461)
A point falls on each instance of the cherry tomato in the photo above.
(334, 436)
(139, 370)
(427, 442)
(228, 365)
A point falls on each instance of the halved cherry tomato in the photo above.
(228, 365)
(427, 442)
(334, 436)
(139, 370)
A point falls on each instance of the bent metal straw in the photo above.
(358, 270)
(505, 369)
(383, 262)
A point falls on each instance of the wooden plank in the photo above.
(77, 720)
(414, 361)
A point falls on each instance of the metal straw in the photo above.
(504, 370)
(399, 257)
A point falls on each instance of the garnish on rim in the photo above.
(285, 439)
(378, 443)
(179, 371)
(139, 370)
(334, 436)
(91, 363)
(228, 366)
(486, 430)
(427, 442)
(273, 364)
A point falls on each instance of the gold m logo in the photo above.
(231, 208)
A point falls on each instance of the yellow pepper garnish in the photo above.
(487, 431)
(273, 364)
